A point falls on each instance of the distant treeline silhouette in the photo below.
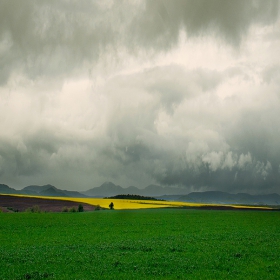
(133, 196)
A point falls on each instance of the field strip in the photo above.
(140, 204)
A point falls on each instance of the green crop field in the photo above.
(140, 244)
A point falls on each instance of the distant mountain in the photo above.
(7, 190)
(132, 190)
(52, 191)
(106, 189)
(110, 189)
(45, 190)
(74, 194)
(227, 198)
(49, 190)
(37, 189)
(207, 197)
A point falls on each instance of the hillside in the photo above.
(109, 189)
(6, 189)
(10, 203)
(45, 190)
(227, 198)
(106, 189)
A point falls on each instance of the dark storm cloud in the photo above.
(214, 146)
(191, 138)
(56, 38)
(163, 20)
(93, 91)
(52, 37)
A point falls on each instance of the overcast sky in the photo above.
(175, 93)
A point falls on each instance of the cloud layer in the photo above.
(138, 92)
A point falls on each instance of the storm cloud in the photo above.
(177, 93)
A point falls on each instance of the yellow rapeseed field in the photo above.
(136, 204)
(130, 204)
(142, 204)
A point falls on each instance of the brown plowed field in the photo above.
(21, 204)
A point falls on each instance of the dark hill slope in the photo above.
(227, 198)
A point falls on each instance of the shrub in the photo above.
(64, 209)
(97, 207)
(34, 209)
(12, 209)
(73, 210)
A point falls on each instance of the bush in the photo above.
(73, 210)
(64, 209)
(97, 207)
(1, 210)
(81, 208)
(12, 209)
(34, 209)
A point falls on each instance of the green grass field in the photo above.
(140, 244)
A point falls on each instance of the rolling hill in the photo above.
(45, 190)
(227, 198)
(108, 189)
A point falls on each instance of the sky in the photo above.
(175, 93)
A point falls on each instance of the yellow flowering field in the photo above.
(130, 204)
(144, 204)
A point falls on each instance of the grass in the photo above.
(140, 244)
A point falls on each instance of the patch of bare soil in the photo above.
(20, 204)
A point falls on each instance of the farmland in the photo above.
(119, 204)
(140, 244)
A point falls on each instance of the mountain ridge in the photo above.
(108, 189)
(220, 197)
(44, 190)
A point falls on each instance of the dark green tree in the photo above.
(81, 208)
(111, 205)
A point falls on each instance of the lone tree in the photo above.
(111, 205)
(81, 208)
